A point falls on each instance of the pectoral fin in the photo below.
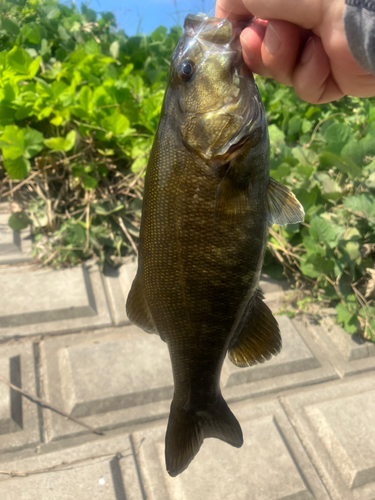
(283, 206)
(137, 308)
(230, 200)
(259, 337)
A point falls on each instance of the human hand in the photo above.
(300, 44)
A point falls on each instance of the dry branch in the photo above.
(44, 403)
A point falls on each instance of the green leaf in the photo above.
(32, 33)
(51, 12)
(306, 157)
(116, 123)
(307, 125)
(313, 247)
(294, 125)
(12, 142)
(352, 234)
(330, 188)
(338, 132)
(353, 251)
(18, 221)
(361, 204)
(88, 182)
(357, 151)
(19, 60)
(10, 91)
(277, 136)
(346, 165)
(18, 168)
(159, 34)
(16, 142)
(33, 142)
(317, 266)
(325, 231)
(61, 144)
(347, 318)
(138, 164)
(282, 171)
(9, 26)
(7, 115)
(307, 197)
(85, 99)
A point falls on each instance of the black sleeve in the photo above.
(359, 22)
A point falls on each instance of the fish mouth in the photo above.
(211, 34)
(211, 29)
(214, 29)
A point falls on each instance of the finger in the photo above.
(271, 49)
(305, 13)
(251, 41)
(230, 9)
(312, 79)
(280, 50)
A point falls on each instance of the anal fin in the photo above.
(137, 308)
(259, 337)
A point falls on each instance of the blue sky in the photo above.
(149, 14)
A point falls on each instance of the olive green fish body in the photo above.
(208, 201)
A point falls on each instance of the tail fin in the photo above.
(187, 430)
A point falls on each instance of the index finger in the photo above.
(232, 9)
(305, 13)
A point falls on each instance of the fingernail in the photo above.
(308, 50)
(271, 40)
(248, 51)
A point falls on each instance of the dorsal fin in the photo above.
(283, 206)
(259, 337)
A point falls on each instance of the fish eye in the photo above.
(186, 70)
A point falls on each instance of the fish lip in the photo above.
(205, 24)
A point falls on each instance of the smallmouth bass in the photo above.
(208, 202)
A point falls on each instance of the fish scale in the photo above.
(208, 202)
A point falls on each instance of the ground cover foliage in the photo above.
(79, 106)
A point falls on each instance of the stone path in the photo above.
(307, 415)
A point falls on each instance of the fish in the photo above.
(208, 202)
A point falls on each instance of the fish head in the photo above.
(217, 99)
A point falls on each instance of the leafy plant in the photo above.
(326, 155)
(79, 106)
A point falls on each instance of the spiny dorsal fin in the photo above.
(259, 338)
(137, 309)
(283, 206)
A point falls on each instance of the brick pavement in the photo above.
(307, 415)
